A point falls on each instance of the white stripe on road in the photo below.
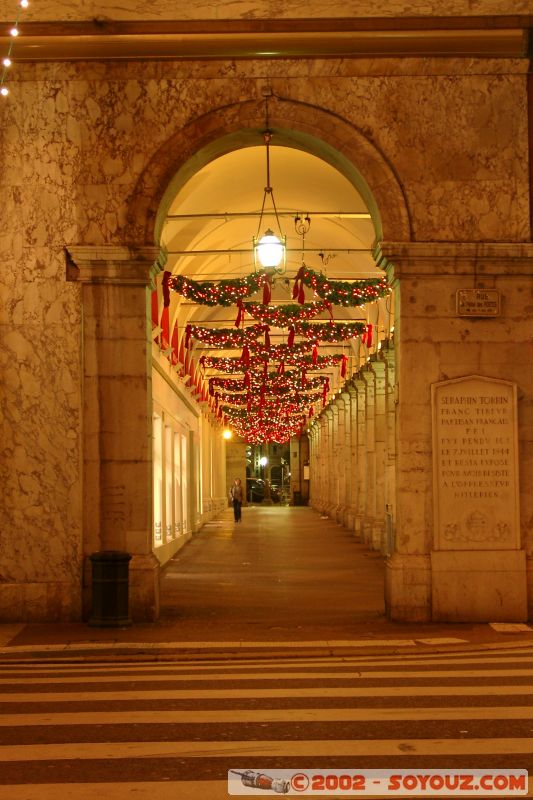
(264, 749)
(293, 715)
(281, 676)
(21, 670)
(254, 693)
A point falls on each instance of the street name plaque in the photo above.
(475, 464)
(478, 303)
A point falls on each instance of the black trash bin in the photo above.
(110, 589)
(297, 498)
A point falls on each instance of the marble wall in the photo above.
(266, 9)
(87, 152)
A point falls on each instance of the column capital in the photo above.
(115, 264)
(427, 259)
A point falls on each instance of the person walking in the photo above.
(236, 497)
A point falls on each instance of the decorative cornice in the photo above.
(454, 258)
(503, 36)
(114, 264)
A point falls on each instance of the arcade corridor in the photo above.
(283, 574)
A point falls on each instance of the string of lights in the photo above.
(7, 60)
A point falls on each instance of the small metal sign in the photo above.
(478, 302)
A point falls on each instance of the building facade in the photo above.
(429, 116)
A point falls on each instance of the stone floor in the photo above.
(282, 578)
(281, 572)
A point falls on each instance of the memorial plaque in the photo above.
(478, 302)
(475, 464)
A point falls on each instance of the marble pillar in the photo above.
(117, 423)
(379, 368)
(437, 342)
(387, 354)
(362, 474)
(353, 483)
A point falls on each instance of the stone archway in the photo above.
(297, 125)
(300, 126)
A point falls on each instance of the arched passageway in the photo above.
(207, 221)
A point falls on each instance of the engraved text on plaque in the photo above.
(475, 465)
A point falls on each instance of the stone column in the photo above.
(324, 441)
(353, 483)
(379, 368)
(439, 341)
(335, 466)
(387, 353)
(362, 480)
(368, 377)
(117, 426)
(346, 490)
(312, 469)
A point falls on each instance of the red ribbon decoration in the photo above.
(187, 336)
(166, 290)
(311, 412)
(367, 336)
(245, 357)
(265, 369)
(165, 329)
(267, 337)
(267, 290)
(344, 362)
(240, 315)
(298, 288)
(247, 380)
(304, 378)
(315, 353)
(281, 368)
(290, 337)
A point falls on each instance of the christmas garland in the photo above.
(291, 396)
(287, 382)
(222, 293)
(279, 352)
(281, 316)
(259, 431)
(223, 338)
(339, 293)
(306, 363)
(332, 332)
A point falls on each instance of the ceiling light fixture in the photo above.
(270, 250)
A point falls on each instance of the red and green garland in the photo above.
(224, 338)
(339, 293)
(265, 405)
(221, 293)
(282, 383)
(332, 332)
(281, 316)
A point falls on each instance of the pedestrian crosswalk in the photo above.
(172, 729)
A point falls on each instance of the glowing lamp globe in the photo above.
(269, 250)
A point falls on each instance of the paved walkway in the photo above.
(282, 579)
